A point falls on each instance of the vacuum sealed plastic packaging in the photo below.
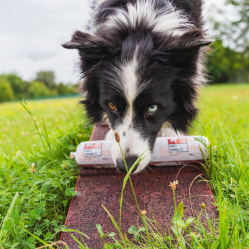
(167, 151)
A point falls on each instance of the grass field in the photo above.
(37, 178)
(18, 130)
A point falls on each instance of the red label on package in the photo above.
(92, 149)
(178, 145)
(92, 145)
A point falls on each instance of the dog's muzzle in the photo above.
(129, 162)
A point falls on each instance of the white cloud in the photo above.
(31, 33)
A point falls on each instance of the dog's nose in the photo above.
(129, 161)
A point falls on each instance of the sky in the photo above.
(31, 32)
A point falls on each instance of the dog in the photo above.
(142, 63)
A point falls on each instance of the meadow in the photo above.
(37, 178)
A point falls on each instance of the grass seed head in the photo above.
(117, 137)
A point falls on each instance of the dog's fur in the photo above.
(139, 54)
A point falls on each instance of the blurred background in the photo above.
(34, 65)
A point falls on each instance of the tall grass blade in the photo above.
(3, 234)
(114, 222)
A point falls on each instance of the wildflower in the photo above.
(72, 155)
(25, 133)
(203, 205)
(173, 184)
(79, 135)
(143, 212)
(117, 137)
(214, 147)
(19, 153)
(32, 169)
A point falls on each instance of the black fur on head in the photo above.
(179, 55)
(164, 64)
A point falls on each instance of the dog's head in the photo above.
(139, 81)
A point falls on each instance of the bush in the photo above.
(19, 86)
(6, 92)
(38, 89)
(62, 89)
(46, 77)
(66, 89)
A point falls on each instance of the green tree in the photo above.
(225, 65)
(66, 88)
(38, 89)
(240, 27)
(6, 92)
(46, 77)
(234, 26)
(19, 86)
(72, 88)
(62, 89)
(233, 31)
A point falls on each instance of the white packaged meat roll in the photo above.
(167, 151)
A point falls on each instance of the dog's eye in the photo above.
(113, 106)
(152, 109)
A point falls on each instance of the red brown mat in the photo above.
(103, 186)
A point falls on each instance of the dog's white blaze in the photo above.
(130, 79)
(166, 20)
(132, 142)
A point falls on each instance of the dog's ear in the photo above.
(182, 51)
(192, 40)
(91, 48)
(84, 41)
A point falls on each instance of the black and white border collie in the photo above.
(142, 65)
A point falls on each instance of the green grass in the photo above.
(225, 108)
(33, 206)
(17, 128)
(35, 198)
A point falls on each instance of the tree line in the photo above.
(13, 87)
(227, 61)
(226, 65)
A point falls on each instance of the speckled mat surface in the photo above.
(103, 186)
